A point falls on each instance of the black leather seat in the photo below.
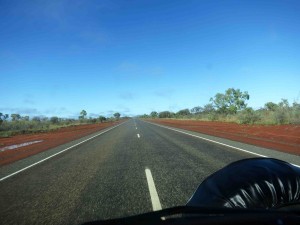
(257, 183)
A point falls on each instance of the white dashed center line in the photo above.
(138, 135)
(153, 193)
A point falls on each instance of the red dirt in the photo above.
(50, 140)
(285, 138)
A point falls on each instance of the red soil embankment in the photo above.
(48, 140)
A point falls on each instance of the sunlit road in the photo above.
(133, 168)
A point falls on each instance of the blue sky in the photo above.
(58, 57)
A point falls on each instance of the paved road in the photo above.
(105, 176)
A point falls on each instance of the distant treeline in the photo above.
(232, 107)
(17, 124)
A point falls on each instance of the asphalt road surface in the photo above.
(133, 168)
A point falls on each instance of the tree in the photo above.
(54, 119)
(101, 118)
(15, 117)
(271, 106)
(25, 118)
(36, 119)
(154, 114)
(3, 117)
(232, 101)
(83, 114)
(165, 114)
(144, 116)
(208, 108)
(284, 103)
(44, 119)
(296, 105)
(117, 115)
(197, 110)
(183, 112)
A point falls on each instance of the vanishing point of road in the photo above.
(132, 168)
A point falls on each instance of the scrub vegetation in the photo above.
(231, 106)
(17, 124)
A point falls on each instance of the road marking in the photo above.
(19, 145)
(206, 139)
(220, 143)
(153, 193)
(136, 128)
(51, 156)
(138, 135)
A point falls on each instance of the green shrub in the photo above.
(5, 134)
(295, 113)
(281, 116)
(248, 116)
(213, 116)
